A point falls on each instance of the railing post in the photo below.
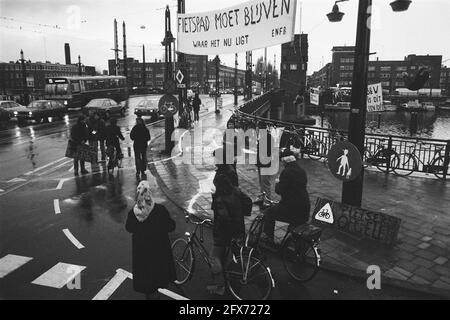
(446, 159)
(388, 165)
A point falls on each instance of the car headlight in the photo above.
(65, 102)
(16, 113)
(30, 113)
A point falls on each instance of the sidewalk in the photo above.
(421, 258)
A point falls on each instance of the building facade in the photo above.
(445, 80)
(294, 65)
(11, 76)
(201, 76)
(390, 73)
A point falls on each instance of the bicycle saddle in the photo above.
(307, 231)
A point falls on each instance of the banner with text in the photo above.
(375, 98)
(249, 26)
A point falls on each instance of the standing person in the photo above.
(196, 103)
(228, 225)
(96, 126)
(112, 135)
(141, 136)
(294, 206)
(78, 136)
(149, 223)
(264, 151)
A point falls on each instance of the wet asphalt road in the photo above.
(38, 202)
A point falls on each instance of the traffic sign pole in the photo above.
(182, 90)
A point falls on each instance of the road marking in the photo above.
(113, 285)
(60, 184)
(54, 168)
(1, 190)
(56, 206)
(10, 263)
(72, 239)
(15, 180)
(59, 276)
(43, 167)
(71, 169)
(171, 294)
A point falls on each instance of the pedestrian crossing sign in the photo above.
(325, 214)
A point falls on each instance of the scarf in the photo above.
(144, 201)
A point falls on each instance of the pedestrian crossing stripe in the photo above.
(59, 276)
(11, 262)
(16, 180)
(113, 285)
(325, 214)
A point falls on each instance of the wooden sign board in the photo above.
(362, 223)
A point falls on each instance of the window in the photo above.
(75, 86)
(385, 75)
(284, 66)
(401, 68)
(399, 84)
(347, 60)
(385, 68)
(372, 68)
(385, 84)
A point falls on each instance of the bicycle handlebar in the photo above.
(190, 219)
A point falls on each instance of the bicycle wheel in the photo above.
(254, 232)
(438, 168)
(406, 166)
(382, 166)
(318, 150)
(248, 278)
(300, 259)
(184, 260)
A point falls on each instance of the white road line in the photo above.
(113, 285)
(59, 276)
(15, 180)
(43, 167)
(54, 168)
(56, 206)
(60, 184)
(10, 263)
(71, 169)
(1, 190)
(72, 239)
(171, 294)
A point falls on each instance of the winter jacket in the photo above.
(141, 136)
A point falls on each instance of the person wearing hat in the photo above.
(140, 136)
(294, 207)
(78, 136)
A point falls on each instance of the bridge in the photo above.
(388, 153)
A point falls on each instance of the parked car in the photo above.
(7, 108)
(148, 108)
(40, 110)
(214, 93)
(105, 107)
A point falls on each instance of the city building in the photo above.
(294, 65)
(445, 80)
(390, 73)
(201, 76)
(11, 79)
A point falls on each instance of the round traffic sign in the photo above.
(344, 161)
(168, 105)
(170, 86)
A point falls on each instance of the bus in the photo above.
(256, 88)
(76, 92)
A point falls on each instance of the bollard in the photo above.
(379, 120)
(414, 123)
(129, 152)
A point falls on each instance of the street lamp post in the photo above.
(24, 79)
(236, 79)
(217, 64)
(352, 191)
(144, 81)
(80, 70)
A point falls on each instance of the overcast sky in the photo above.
(31, 25)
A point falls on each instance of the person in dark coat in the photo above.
(294, 207)
(228, 225)
(196, 103)
(78, 136)
(96, 126)
(152, 260)
(141, 136)
(112, 135)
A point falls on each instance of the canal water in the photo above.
(431, 125)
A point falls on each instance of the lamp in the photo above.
(335, 15)
(400, 5)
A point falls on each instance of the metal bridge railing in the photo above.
(389, 153)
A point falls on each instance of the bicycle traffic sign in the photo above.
(168, 105)
(325, 214)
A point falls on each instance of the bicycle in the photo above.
(381, 157)
(299, 248)
(409, 162)
(307, 143)
(246, 276)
